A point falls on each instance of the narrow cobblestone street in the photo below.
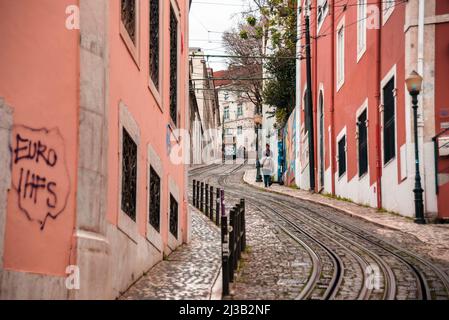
(190, 273)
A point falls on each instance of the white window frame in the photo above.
(323, 12)
(387, 11)
(340, 55)
(125, 223)
(154, 161)
(175, 7)
(134, 49)
(157, 92)
(359, 112)
(361, 28)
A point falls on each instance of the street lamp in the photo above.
(414, 86)
(258, 123)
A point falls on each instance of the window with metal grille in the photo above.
(154, 42)
(389, 122)
(128, 15)
(342, 156)
(155, 200)
(173, 66)
(363, 143)
(129, 175)
(173, 216)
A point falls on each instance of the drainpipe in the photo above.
(421, 15)
(332, 108)
(315, 100)
(378, 103)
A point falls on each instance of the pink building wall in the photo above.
(39, 79)
(71, 98)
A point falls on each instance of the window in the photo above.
(389, 126)
(342, 156)
(228, 131)
(340, 56)
(321, 12)
(155, 200)
(240, 110)
(361, 28)
(173, 66)
(129, 18)
(226, 113)
(226, 96)
(129, 175)
(362, 143)
(154, 42)
(173, 216)
(239, 130)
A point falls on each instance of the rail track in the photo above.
(348, 262)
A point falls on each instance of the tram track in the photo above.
(340, 253)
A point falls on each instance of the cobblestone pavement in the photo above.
(328, 249)
(190, 273)
(433, 238)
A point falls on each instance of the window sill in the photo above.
(128, 226)
(361, 53)
(389, 162)
(340, 85)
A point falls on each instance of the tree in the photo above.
(244, 45)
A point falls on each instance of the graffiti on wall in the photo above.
(40, 175)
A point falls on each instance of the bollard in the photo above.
(202, 198)
(206, 200)
(211, 203)
(197, 204)
(217, 207)
(231, 246)
(225, 254)
(243, 220)
(194, 193)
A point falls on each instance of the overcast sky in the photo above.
(208, 19)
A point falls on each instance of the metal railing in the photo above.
(210, 201)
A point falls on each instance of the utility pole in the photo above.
(309, 106)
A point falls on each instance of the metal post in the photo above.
(243, 206)
(217, 207)
(194, 192)
(211, 203)
(419, 203)
(231, 246)
(309, 107)
(198, 194)
(206, 200)
(225, 254)
(202, 197)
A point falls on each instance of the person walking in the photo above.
(267, 168)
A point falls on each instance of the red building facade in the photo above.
(362, 51)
